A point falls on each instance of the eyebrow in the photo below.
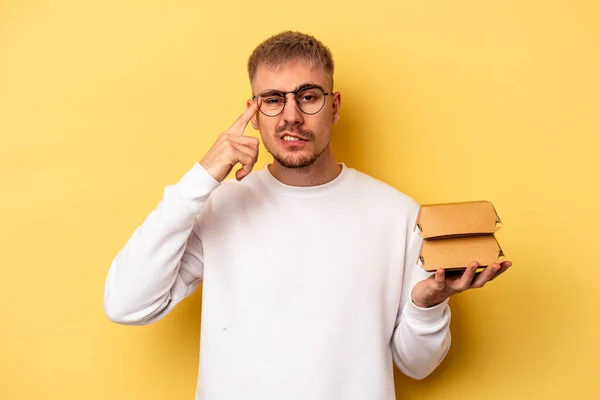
(270, 92)
(303, 86)
(308, 86)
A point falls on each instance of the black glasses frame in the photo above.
(295, 92)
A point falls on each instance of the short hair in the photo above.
(288, 46)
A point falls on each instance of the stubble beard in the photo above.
(299, 159)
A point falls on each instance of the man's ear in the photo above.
(337, 105)
(253, 120)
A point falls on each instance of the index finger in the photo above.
(469, 274)
(240, 124)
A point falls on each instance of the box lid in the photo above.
(457, 253)
(457, 219)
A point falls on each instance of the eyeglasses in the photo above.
(310, 100)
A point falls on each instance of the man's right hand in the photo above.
(233, 147)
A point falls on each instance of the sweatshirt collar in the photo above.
(303, 191)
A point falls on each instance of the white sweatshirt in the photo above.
(306, 290)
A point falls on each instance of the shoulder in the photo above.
(390, 209)
(234, 195)
(383, 194)
(231, 202)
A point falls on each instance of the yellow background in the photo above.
(102, 104)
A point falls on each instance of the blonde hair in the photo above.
(288, 46)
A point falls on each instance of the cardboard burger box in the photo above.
(456, 234)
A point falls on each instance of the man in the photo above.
(310, 287)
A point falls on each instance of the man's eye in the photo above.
(309, 96)
(273, 100)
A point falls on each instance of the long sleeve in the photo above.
(421, 338)
(162, 262)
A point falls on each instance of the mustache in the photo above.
(295, 128)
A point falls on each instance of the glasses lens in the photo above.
(311, 100)
(271, 102)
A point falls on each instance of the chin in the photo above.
(296, 160)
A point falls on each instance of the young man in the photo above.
(310, 286)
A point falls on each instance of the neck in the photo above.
(323, 170)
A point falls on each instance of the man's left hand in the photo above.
(438, 287)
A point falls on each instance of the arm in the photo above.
(421, 338)
(162, 262)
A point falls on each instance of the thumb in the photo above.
(242, 172)
(439, 280)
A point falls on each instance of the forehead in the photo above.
(288, 76)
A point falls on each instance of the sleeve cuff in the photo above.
(195, 186)
(426, 315)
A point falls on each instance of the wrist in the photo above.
(424, 303)
(213, 170)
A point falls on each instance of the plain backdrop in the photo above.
(104, 103)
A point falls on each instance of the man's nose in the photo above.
(291, 112)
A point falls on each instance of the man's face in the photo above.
(280, 133)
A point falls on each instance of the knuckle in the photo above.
(229, 151)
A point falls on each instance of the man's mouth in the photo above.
(291, 138)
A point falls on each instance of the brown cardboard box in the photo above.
(456, 234)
